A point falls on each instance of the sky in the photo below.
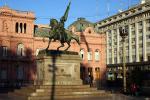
(92, 10)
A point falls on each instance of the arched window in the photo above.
(97, 73)
(82, 53)
(97, 69)
(89, 31)
(25, 27)
(16, 27)
(89, 54)
(20, 27)
(4, 51)
(97, 55)
(20, 50)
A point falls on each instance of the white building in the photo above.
(137, 19)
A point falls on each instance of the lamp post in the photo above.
(124, 33)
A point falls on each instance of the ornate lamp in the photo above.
(124, 33)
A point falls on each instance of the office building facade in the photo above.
(137, 44)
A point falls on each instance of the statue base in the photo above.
(58, 68)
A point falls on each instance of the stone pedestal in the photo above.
(57, 68)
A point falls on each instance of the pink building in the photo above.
(21, 40)
(92, 50)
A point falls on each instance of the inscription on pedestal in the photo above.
(65, 70)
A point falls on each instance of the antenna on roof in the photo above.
(120, 10)
(5, 2)
(120, 6)
(97, 10)
(129, 3)
(108, 9)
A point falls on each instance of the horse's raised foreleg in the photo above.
(48, 44)
(68, 46)
(62, 45)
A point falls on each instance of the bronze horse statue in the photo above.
(68, 36)
(58, 32)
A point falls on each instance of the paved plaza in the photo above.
(114, 97)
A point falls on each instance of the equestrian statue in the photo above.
(58, 32)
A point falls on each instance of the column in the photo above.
(130, 44)
(144, 41)
(107, 40)
(22, 28)
(118, 46)
(112, 46)
(19, 28)
(137, 42)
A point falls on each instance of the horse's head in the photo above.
(53, 23)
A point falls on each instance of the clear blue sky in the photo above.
(92, 10)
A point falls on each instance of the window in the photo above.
(148, 58)
(4, 51)
(5, 26)
(134, 58)
(147, 36)
(89, 54)
(20, 50)
(140, 23)
(148, 44)
(82, 53)
(147, 29)
(140, 8)
(19, 73)
(20, 27)
(89, 31)
(3, 74)
(141, 57)
(25, 27)
(16, 28)
(148, 21)
(97, 69)
(97, 55)
(110, 76)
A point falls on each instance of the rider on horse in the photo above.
(58, 31)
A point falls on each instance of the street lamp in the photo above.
(124, 33)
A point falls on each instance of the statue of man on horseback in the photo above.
(58, 32)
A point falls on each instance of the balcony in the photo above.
(16, 58)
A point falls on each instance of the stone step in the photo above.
(25, 90)
(64, 86)
(45, 92)
(31, 86)
(57, 95)
(20, 94)
(57, 89)
(66, 90)
(67, 93)
(69, 96)
(15, 96)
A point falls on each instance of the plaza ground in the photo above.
(114, 97)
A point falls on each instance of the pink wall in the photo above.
(11, 39)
